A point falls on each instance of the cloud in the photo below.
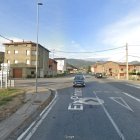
(126, 30)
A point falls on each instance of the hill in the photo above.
(80, 63)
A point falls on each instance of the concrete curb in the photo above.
(28, 120)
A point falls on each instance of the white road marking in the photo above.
(89, 101)
(74, 97)
(111, 119)
(121, 102)
(136, 86)
(75, 106)
(131, 96)
(105, 91)
(47, 107)
(24, 133)
(78, 92)
(43, 116)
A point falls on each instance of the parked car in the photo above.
(79, 80)
(98, 75)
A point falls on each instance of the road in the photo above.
(103, 110)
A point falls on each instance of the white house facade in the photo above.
(61, 64)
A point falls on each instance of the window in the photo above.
(15, 52)
(32, 72)
(8, 61)
(16, 61)
(8, 52)
(27, 52)
(27, 62)
(121, 69)
(33, 52)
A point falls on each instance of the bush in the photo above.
(134, 73)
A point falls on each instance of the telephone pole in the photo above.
(127, 75)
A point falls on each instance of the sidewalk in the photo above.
(34, 103)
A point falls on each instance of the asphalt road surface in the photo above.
(103, 110)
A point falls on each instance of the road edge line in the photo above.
(39, 120)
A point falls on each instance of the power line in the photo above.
(133, 45)
(134, 56)
(91, 52)
(6, 38)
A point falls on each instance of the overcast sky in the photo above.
(75, 26)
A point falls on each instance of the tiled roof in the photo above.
(59, 58)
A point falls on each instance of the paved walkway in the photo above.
(34, 102)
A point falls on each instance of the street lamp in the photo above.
(38, 4)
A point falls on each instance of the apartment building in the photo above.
(61, 65)
(22, 59)
(113, 69)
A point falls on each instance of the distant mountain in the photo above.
(80, 63)
(134, 62)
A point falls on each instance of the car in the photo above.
(79, 80)
(98, 75)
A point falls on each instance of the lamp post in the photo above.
(38, 4)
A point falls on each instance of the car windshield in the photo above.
(79, 78)
(69, 69)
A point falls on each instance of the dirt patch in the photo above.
(12, 106)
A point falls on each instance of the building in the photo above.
(71, 69)
(1, 58)
(113, 69)
(22, 59)
(52, 68)
(61, 65)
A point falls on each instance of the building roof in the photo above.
(119, 63)
(59, 58)
(24, 42)
(52, 60)
(69, 66)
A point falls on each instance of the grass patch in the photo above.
(6, 95)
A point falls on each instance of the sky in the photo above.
(70, 27)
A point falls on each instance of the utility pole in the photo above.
(53, 54)
(36, 84)
(127, 75)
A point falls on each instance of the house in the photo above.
(61, 65)
(113, 69)
(52, 67)
(22, 59)
(71, 69)
(116, 69)
(137, 67)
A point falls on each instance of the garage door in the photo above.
(17, 73)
